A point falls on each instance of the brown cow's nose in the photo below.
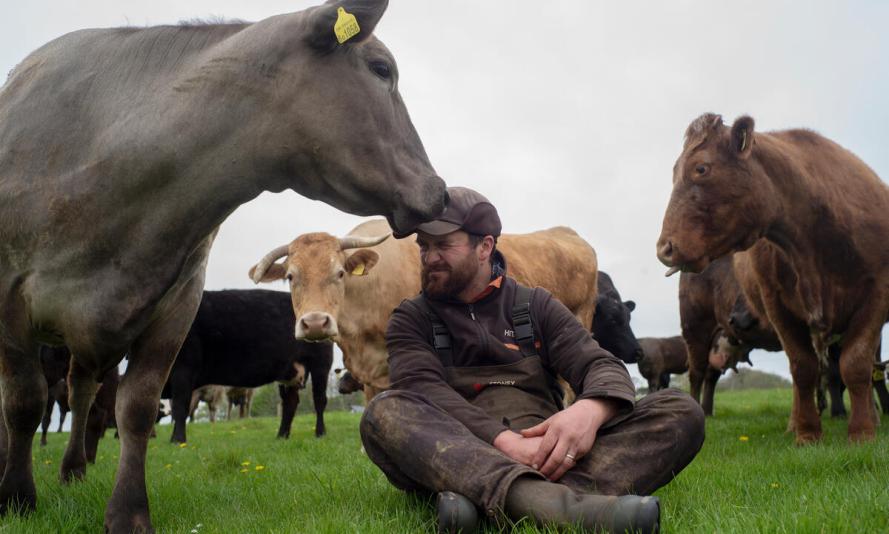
(665, 251)
(316, 325)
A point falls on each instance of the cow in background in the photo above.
(245, 338)
(611, 323)
(719, 327)
(211, 395)
(346, 383)
(242, 398)
(661, 357)
(55, 362)
(345, 288)
(825, 215)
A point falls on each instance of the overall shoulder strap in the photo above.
(441, 337)
(521, 321)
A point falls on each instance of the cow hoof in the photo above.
(129, 525)
(862, 437)
(18, 503)
(803, 439)
(72, 474)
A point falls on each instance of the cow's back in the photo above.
(558, 260)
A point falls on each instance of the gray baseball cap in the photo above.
(467, 210)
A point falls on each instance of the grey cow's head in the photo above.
(324, 117)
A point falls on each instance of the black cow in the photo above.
(611, 324)
(246, 338)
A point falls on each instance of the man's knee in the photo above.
(386, 411)
(686, 416)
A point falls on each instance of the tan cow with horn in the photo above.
(345, 288)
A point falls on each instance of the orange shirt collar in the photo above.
(494, 284)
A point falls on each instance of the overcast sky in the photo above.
(564, 112)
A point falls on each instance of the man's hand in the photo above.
(568, 435)
(517, 447)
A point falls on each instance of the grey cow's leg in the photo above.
(23, 391)
(151, 358)
(81, 393)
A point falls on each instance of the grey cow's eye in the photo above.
(381, 69)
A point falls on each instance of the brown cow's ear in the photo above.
(329, 26)
(742, 136)
(361, 262)
(276, 271)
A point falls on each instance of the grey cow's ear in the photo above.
(333, 24)
(630, 305)
(742, 136)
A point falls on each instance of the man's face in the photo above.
(450, 263)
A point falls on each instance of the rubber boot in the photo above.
(456, 514)
(548, 503)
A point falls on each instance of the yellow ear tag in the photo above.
(346, 25)
(359, 269)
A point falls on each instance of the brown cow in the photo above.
(346, 288)
(661, 357)
(826, 215)
(211, 395)
(243, 399)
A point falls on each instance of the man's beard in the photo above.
(458, 278)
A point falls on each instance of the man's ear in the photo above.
(361, 262)
(333, 24)
(276, 271)
(742, 137)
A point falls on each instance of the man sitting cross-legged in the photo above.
(475, 410)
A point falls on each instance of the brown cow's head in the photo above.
(721, 200)
(316, 266)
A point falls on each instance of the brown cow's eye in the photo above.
(702, 169)
(289, 277)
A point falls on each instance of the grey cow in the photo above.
(121, 152)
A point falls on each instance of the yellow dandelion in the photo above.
(260, 467)
(245, 463)
(183, 445)
(168, 466)
(47, 462)
(774, 485)
(744, 438)
(244, 470)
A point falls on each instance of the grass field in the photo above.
(237, 478)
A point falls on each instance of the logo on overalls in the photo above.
(501, 383)
(509, 333)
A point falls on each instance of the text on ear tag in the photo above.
(358, 270)
(346, 25)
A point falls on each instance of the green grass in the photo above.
(761, 484)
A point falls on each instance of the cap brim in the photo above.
(432, 228)
(437, 228)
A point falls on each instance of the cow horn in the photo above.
(267, 262)
(361, 242)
